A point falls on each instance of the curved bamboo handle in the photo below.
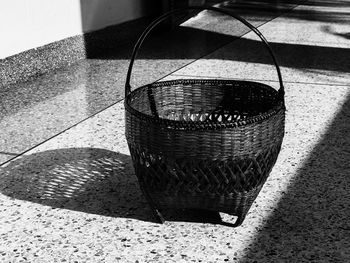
(200, 8)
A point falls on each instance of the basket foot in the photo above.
(238, 222)
(158, 216)
(155, 212)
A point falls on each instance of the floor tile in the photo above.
(314, 25)
(233, 65)
(307, 50)
(75, 197)
(34, 111)
(247, 58)
(308, 33)
(311, 207)
(81, 186)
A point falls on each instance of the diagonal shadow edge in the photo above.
(311, 219)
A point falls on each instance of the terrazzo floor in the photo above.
(34, 111)
(75, 197)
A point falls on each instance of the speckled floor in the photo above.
(34, 111)
(75, 198)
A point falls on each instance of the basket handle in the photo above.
(200, 8)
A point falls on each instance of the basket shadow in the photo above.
(89, 180)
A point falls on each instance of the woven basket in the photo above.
(203, 143)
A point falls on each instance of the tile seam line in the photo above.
(118, 101)
(59, 133)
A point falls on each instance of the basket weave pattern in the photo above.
(203, 143)
(206, 144)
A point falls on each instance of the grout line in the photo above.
(83, 120)
(61, 132)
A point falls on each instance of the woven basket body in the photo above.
(203, 144)
(211, 146)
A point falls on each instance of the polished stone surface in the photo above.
(313, 51)
(75, 197)
(246, 58)
(34, 111)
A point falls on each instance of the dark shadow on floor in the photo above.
(296, 56)
(309, 12)
(89, 180)
(114, 37)
(261, 7)
(311, 220)
(161, 55)
(156, 52)
(102, 78)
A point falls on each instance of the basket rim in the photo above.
(202, 125)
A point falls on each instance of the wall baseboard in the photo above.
(30, 64)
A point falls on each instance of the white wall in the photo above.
(27, 24)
